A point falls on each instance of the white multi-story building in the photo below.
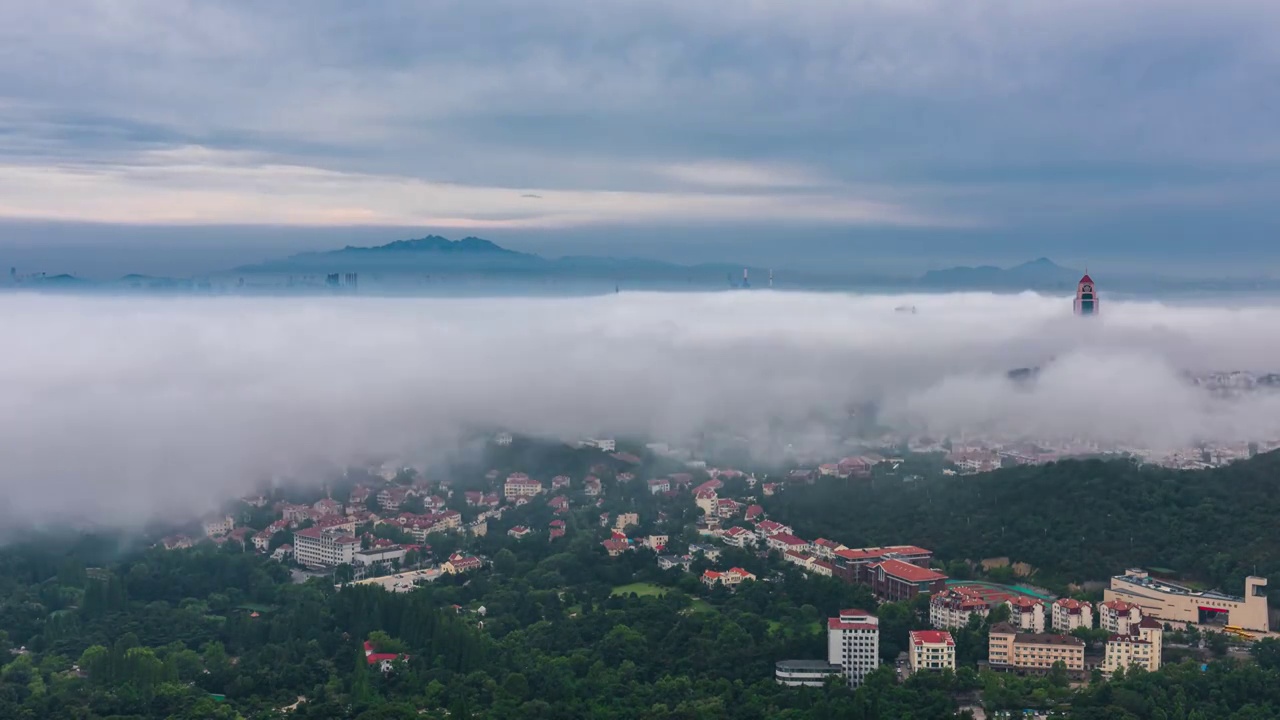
(319, 548)
(1026, 614)
(215, 527)
(1118, 617)
(931, 650)
(853, 643)
(953, 607)
(520, 485)
(739, 537)
(1141, 647)
(1069, 614)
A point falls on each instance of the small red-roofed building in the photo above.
(560, 481)
(769, 489)
(659, 485)
(591, 486)
(931, 650)
(753, 513)
(823, 547)
(519, 532)
(784, 541)
(616, 547)
(766, 528)
(727, 507)
(731, 578)
(739, 537)
(384, 661)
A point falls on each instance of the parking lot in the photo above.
(404, 581)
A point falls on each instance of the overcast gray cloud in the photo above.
(119, 408)
(915, 113)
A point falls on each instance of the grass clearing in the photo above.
(642, 589)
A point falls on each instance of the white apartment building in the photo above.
(1026, 614)
(219, 526)
(853, 643)
(319, 548)
(952, 608)
(1142, 647)
(1118, 617)
(520, 485)
(931, 650)
(1070, 614)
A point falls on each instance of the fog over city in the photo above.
(122, 408)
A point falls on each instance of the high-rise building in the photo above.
(853, 643)
(1086, 297)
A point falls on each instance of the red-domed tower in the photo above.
(1086, 297)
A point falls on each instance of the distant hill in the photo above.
(476, 257)
(1039, 274)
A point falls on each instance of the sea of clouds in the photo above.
(124, 407)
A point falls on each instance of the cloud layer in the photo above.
(121, 408)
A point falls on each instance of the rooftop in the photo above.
(907, 571)
(1142, 579)
(931, 637)
(811, 665)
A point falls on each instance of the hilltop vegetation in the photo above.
(1074, 520)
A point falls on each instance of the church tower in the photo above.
(1086, 297)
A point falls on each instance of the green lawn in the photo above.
(640, 588)
(699, 605)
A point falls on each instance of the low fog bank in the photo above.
(122, 408)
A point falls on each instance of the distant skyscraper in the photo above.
(1086, 297)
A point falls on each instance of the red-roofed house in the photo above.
(739, 537)
(727, 508)
(473, 497)
(591, 486)
(519, 532)
(826, 548)
(753, 513)
(765, 528)
(382, 660)
(931, 650)
(560, 481)
(328, 506)
(659, 485)
(769, 488)
(615, 547)
(783, 542)
(730, 578)
(893, 580)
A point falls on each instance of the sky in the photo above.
(124, 409)
(183, 137)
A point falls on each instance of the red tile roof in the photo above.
(907, 571)
(931, 637)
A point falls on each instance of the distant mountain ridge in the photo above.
(472, 256)
(1041, 273)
